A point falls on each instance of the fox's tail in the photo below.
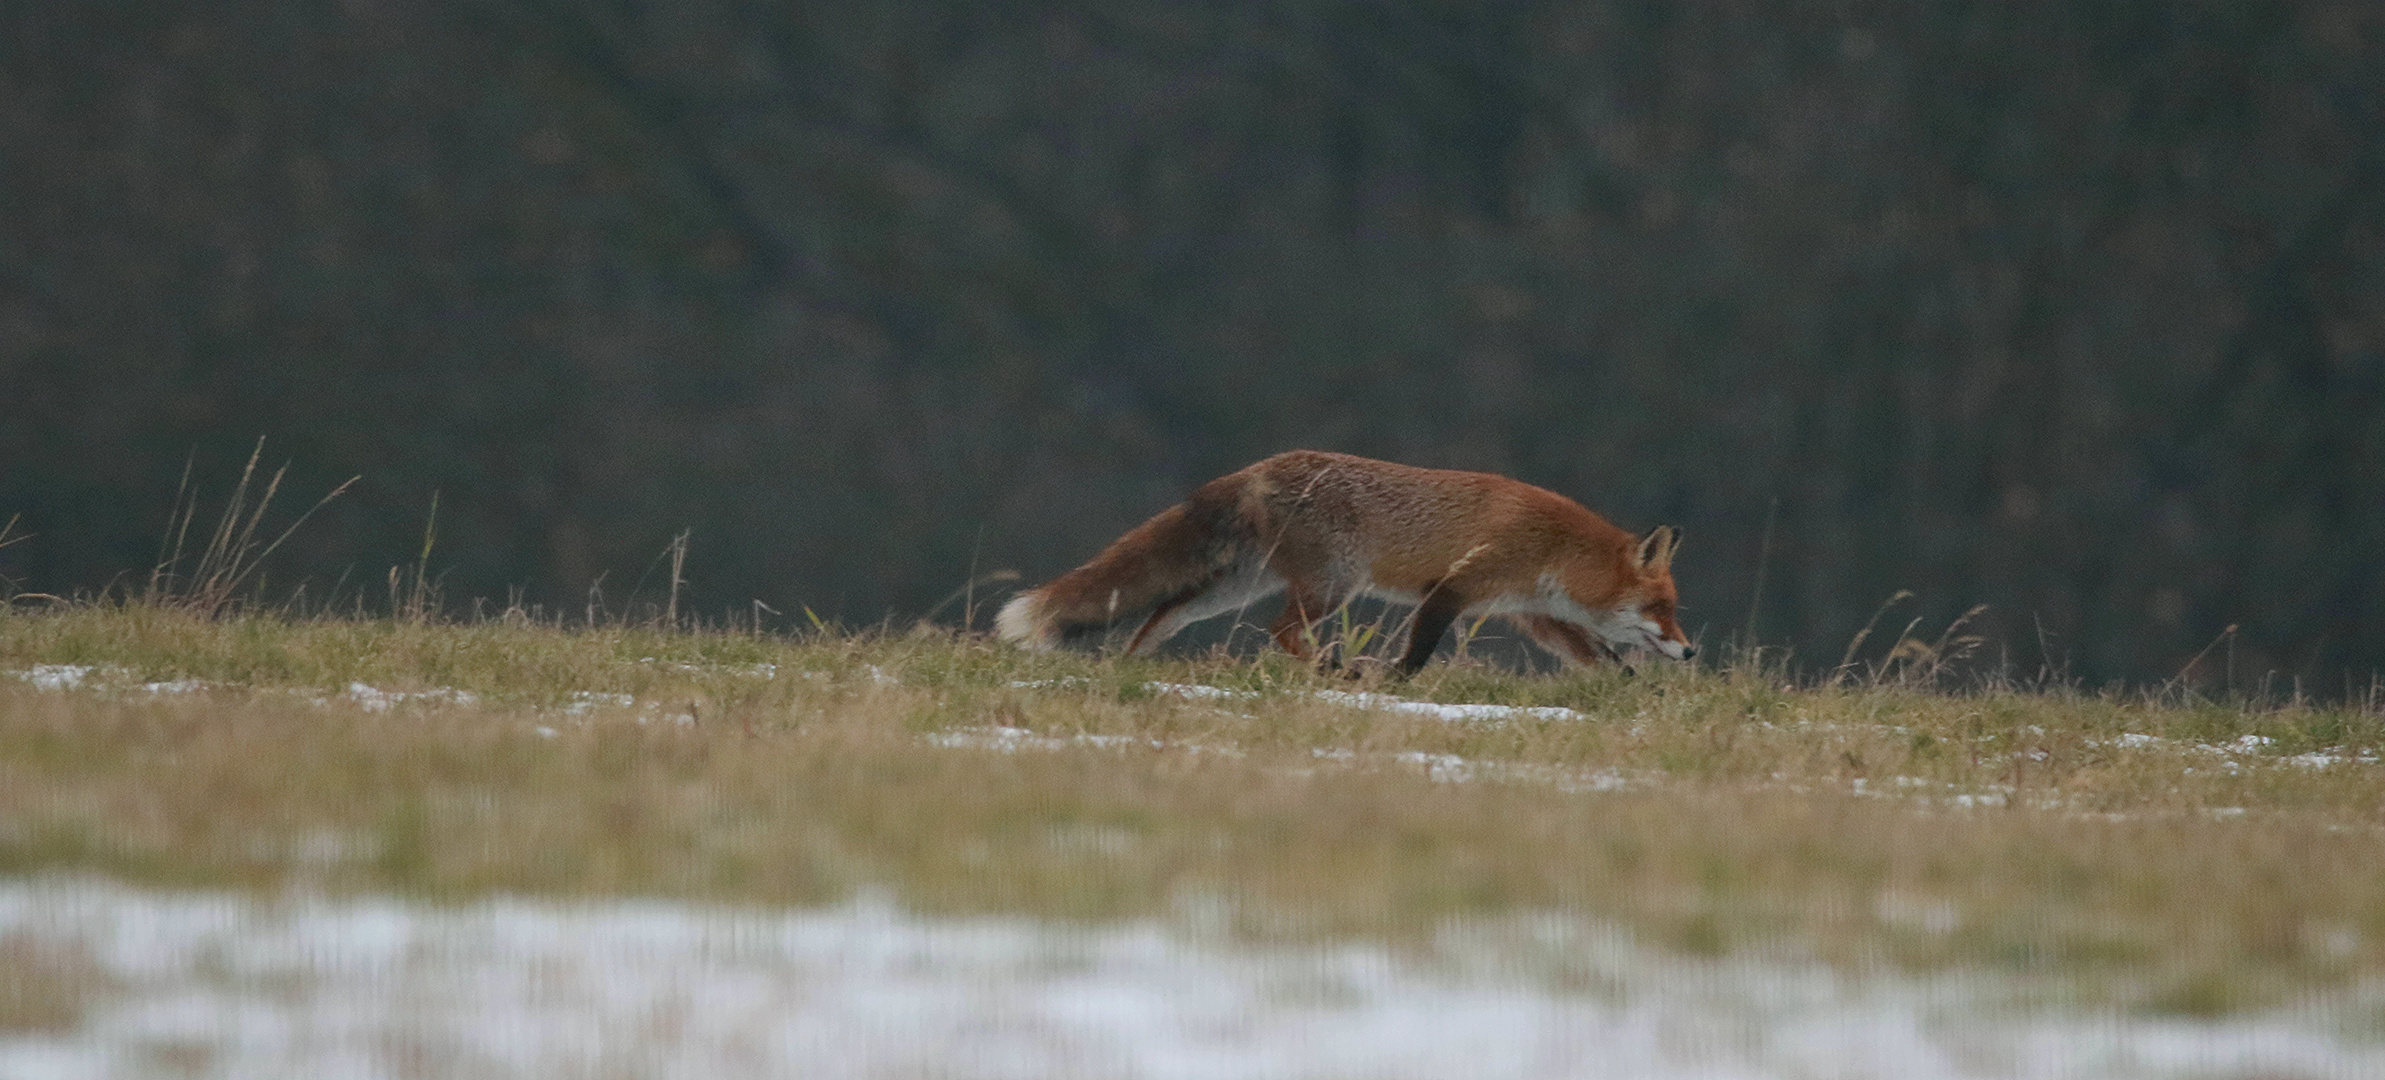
(1173, 556)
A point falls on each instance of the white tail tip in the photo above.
(1021, 623)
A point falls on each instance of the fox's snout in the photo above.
(1667, 641)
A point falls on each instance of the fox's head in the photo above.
(1645, 616)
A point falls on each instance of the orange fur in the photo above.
(1324, 528)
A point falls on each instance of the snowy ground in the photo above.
(207, 984)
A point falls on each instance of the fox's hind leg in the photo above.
(1160, 615)
(1305, 607)
(1231, 590)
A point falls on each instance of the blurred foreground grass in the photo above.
(2179, 855)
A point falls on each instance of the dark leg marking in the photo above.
(1432, 620)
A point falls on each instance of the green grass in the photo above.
(1716, 810)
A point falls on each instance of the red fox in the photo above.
(1325, 528)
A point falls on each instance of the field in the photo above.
(2145, 855)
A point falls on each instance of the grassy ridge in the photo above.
(2184, 855)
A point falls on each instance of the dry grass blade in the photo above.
(678, 551)
(967, 596)
(1847, 660)
(183, 511)
(1914, 662)
(411, 595)
(233, 554)
(2180, 679)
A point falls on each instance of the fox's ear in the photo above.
(1656, 549)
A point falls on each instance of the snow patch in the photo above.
(305, 986)
(87, 676)
(56, 676)
(374, 700)
(1388, 703)
(751, 671)
(1383, 703)
(1196, 691)
(583, 702)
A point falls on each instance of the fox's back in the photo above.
(1407, 526)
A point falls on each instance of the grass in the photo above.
(2135, 850)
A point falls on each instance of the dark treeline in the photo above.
(2076, 310)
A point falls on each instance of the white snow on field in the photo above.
(55, 676)
(178, 983)
(1383, 703)
(78, 676)
(1012, 739)
(372, 699)
(1388, 703)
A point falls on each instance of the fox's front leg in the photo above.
(1296, 630)
(1439, 609)
(1569, 642)
(1303, 610)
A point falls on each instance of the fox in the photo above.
(1324, 528)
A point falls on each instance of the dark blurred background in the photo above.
(2075, 309)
